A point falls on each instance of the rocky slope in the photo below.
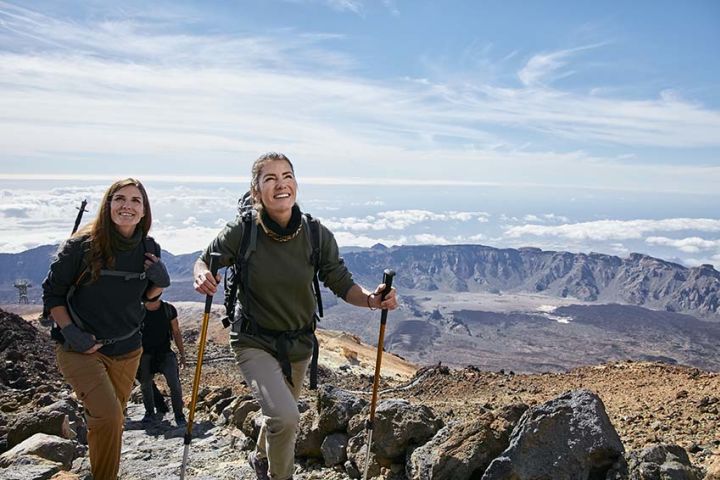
(645, 403)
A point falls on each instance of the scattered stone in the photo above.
(333, 449)
(657, 462)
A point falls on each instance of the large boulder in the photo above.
(568, 438)
(464, 450)
(48, 447)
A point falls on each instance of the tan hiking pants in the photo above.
(103, 384)
(278, 401)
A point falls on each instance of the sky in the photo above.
(566, 125)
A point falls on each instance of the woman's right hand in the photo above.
(79, 340)
(205, 283)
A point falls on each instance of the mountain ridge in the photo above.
(637, 279)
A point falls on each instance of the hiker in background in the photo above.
(280, 329)
(160, 324)
(94, 292)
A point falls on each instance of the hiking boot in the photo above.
(180, 420)
(148, 418)
(260, 465)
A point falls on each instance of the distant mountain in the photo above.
(594, 277)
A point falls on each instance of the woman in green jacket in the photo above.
(280, 301)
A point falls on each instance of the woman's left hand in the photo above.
(155, 271)
(389, 303)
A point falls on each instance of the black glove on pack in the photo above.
(158, 274)
(76, 339)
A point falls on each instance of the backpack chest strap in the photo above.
(124, 275)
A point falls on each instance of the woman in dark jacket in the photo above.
(94, 292)
(282, 306)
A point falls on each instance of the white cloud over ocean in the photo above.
(400, 219)
(604, 230)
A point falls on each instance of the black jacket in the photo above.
(110, 307)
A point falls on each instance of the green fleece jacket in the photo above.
(280, 290)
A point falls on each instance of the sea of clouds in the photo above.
(187, 215)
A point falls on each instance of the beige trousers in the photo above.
(103, 384)
(278, 401)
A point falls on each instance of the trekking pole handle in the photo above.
(387, 280)
(214, 264)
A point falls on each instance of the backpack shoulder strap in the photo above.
(314, 236)
(247, 248)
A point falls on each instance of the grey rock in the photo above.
(568, 438)
(48, 447)
(242, 408)
(252, 424)
(333, 449)
(463, 450)
(309, 438)
(658, 462)
(336, 407)
(27, 425)
(30, 467)
(352, 470)
(398, 425)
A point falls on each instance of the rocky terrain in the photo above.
(638, 419)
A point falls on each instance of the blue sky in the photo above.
(526, 107)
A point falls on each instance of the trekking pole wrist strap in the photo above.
(368, 302)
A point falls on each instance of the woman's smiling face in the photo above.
(278, 187)
(127, 209)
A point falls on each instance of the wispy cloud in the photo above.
(603, 230)
(141, 87)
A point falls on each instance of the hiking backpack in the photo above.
(238, 274)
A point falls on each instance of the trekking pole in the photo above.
(214, 257)
(387, 280)
(81, 210)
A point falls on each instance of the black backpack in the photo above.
(238, 274)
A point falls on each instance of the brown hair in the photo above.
(99, 231)
(257, 167)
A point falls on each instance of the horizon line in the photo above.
(358, 181)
